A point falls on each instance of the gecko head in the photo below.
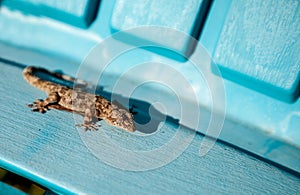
(123, 119)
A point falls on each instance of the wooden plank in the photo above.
(7, 189)
(50, 150)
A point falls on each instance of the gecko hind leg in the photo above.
(42, 106)
(88, 126)
(89, 121)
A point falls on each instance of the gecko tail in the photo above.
(29, 74)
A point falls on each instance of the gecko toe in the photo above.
(38, 106)
(88, 126)
(30, 105)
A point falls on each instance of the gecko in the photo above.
(92, 107)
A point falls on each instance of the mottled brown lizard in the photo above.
(92, 107)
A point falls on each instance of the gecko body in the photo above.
(92, 107)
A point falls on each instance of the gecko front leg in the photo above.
(42, 106)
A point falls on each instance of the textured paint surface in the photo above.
(179, 14)
(5, 189)
(48, 149)
(76, 12)
(55, 155)
(75, 7)
(183, 16)
(260, 42)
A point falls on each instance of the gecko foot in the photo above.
(88, 126)
(38, 106)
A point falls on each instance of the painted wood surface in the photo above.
(258, 46)
(79, 13)
(5, 189)
(50, 150)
